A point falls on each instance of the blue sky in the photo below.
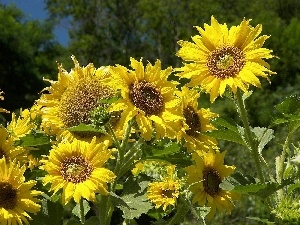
(35, 10)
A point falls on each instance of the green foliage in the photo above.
(51, 213)
(135, 198)
(227, 130)
(33, 139)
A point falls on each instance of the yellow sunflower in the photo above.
(16, 197)
(164, 193)
(78, 169)
(221, 57)
(148, 96)
(70, 100)
(7, 148)
(19, 127)
(2, 98)
(204, 179)
(196, 122)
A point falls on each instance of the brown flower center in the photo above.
(147, 97)
(78, 101)
(192, 120)
(167, 193)
(211, 181)
(8, 196)
(75, 169)
(226, 62)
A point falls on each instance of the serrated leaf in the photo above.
(290, 105)
(168, 149)
(227, 135)
(261, 220)
(262, 190)
(134, 196)
(138, 204)
(33, 139)
(294, 125)
(87, 128)
(225, 123)
(238, 178)
(77, 211)
(117, 200)
(262, 136)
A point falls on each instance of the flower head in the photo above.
(22, 125)
(16, 196)
(70, 100)
(204, 178)
(164, 193)
(7, 148)
(78, 169)
(196, 121)
(221, 57)
(148, 96)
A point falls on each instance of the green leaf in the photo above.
(117, 200)
(225, 123)
(238, 178)
(50, 213)
(110, 100)
(33, 139)
(262, 190)
(138, 204)
(86, 208)
(262, 136)
(292, 187)
(170, 148)
(261, 220)
(227, 130)
(92, 221)
(87, 128)
(290, 105)
(288, 112)
(250, 188)
(134, 196)
(227, 135)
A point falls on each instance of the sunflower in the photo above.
(78, 169)
(147, 95)
(204, 179)
(7, 148)
(16, 197)
(71, 100)
(196, 122)
(163, 193)
(19, 127)
(223, 57)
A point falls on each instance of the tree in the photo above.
(28, 53)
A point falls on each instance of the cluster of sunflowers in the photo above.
(96, 134)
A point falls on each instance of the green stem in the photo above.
(248, 134)
(106, 207)
(105, 210)
(82, 218)
(181, 211)
(280, 165)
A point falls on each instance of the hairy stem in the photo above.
(248, 134)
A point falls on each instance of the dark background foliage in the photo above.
(109, 32)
